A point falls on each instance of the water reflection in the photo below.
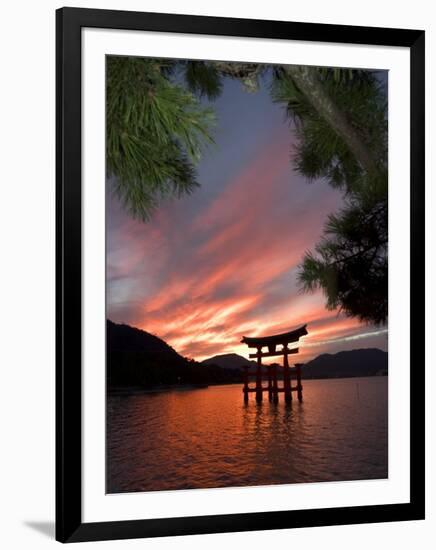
(211, 438)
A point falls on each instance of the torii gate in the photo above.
(272, 342)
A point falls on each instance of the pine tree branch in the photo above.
(365, 250)
(309, 84)
(238, 70)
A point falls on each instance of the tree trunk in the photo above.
(309, 84)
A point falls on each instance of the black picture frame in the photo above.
(69, 525)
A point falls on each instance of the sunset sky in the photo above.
(222, 263)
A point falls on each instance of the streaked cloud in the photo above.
(220, 264)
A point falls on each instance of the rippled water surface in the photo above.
(208, 438)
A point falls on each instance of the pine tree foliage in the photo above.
(203, 79)
(155, 132)
(350, 262)
(320, 151)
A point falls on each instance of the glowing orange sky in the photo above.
(220, 264)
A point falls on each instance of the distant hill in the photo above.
(124, 338)
(138, 358)
(229, 361)
(357, 362)
(344, 364)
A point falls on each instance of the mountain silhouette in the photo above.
(136, 358)
(124, 338)
(229, 361)
(344, 364)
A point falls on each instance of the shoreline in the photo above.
(138, 390)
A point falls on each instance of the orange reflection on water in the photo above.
(209, 438)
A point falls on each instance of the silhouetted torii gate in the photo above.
(272, 342)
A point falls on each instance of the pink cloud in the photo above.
(203, 281)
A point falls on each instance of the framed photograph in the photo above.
(240, 275)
